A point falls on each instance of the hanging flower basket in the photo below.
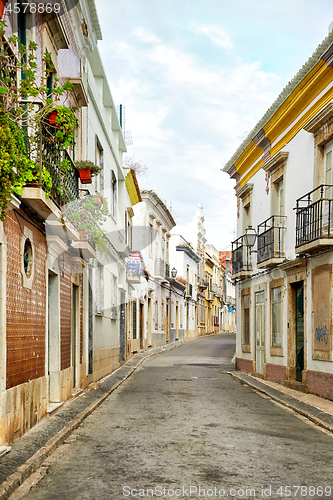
(85, 175)
(53, 118)
(89, 165)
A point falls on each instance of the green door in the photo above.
(299, 331)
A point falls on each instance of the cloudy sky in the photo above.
(195, 77)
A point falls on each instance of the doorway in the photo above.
(167, 320)
(141, 324)
(122, 328)
(75, 290)
(149, 322)
(260, 330)
(299, 329)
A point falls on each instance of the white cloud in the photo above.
(186, 119)
(216, 35)
(143, 35)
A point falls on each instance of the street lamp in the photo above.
(250, 236)
(173, 272)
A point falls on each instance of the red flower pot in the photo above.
(2, 7)
(53, 118)
(85, 175)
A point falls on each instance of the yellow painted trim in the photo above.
(251, 173)
(304, 93)
(132, 189)
(296, 108)
(295, 100)
(302, 122)
(318, 105)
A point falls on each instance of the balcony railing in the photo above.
(241, 261)
(203, 282)
(271, 239)
(65, 186)
(314, 213)
(161, 268)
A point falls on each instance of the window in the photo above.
(113, 205)
(167, 252)
(329, 183)
(27, 258)
(99, 179)
(163, 249)
(276, 317)
(151, 239)
(246, 319)
(128, 229)
(134, 320)
(99, 289)
(247, 216)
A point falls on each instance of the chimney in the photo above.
(330, 28)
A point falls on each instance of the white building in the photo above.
(184, 306)
(283, 172)
(152, 223)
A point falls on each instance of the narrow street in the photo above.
(180, 422)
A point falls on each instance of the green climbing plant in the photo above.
(25, 106)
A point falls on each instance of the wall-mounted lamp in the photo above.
(250, 236)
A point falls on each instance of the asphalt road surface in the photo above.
(180, 427)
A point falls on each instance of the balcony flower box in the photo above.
(85, 175)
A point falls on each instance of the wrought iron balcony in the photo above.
(314, 214)
(203, 282)
(65, 186)
(270, 246)
(160, 268)
(241, 259)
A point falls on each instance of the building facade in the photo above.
(284, 281)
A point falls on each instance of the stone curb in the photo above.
(33, 463)
(305, 414)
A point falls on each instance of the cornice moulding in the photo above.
(320, 119)
(247, 188)
(276, 161)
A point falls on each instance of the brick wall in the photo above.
(25, 328)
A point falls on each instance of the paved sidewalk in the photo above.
(29, 451)
(316, 409)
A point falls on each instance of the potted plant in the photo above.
(87, 169)
(60, 125)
